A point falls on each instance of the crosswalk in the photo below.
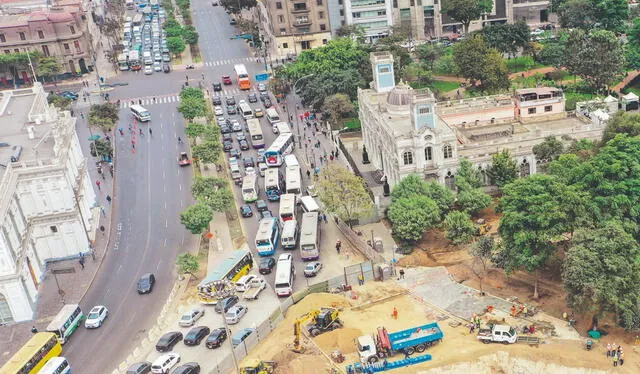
(173, 98)
(231, 61)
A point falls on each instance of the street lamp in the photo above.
(296, 112)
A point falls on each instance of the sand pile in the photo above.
(342, 339)
(376, 291)
(316, 301)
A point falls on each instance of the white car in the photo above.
(148, 69)
(157, 66)
(189, 318)
(164, 363)
(235, 314)
(274, 128)
(96, 317)
(235, 125)
(219, 111)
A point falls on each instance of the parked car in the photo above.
(261, 205)
(312, 269)
(226, 80)
(146, 283)
(253, 98)
(139, 368)
(230, 100)
(164, 363)
(189, 318)
(224, 129)
(241, 136)
(217, 86)
(219, 111)
(266, 265)
(166, 67)
(227, 145)
(236, 126)
(257, 112)
(235, 153)
(231, 109)
(188, 368)
(225, 304)
(217, 100)
(241, 336)
(235, 314)
(262, 87)
(227, 137)
(96, 317)
(168, 340)
(216, 338)
(195, 335)
(244, 145)
(248, 161)
(246, 211)
(148, 69)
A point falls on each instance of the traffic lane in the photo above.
(140, 85)
(213, 26)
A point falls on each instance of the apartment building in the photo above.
(48, 207)
(292, 26)
(55, 32)
(373, 16)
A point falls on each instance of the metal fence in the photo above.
(359, 244)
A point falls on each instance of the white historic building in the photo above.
(406, 131)
(46, 197)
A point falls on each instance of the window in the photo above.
(532, 111)
(319, 2)
(395, 3)
(407, 157)
(323, 27)
(3, 39)
(72, 29)
(341, 12)
(45, 51)
(384, 69)
(424, 110)
(66, 47)
(22, 36)
(305, 44)
(412, 2)
(7, 51)
(321, 15)
(548, 108)
(340, 2)
(428, 154)
(77, 45)
(40, 34)
(302, 20)
(16, 50)
(278, 5)
(285, 45)
(281, 18)
(324, 41)
(53, 228)
(283, 31)
(448, 151)
(300, 6)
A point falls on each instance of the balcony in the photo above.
(302, 22)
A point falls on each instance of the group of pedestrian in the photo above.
(475, 323)
(616, 354)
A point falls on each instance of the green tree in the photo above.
(13, 62)
(416, 73)
(214, 192)
(196, 218)
(187, 264)
(441, 195)
(602, 273)
(173, 32)
(190, 35)
(192, 107)
(343, 193)
(193, 130)
(465, 11)
(48, 67)
(552, 54)
(580, 50)
(609, 15)
(411, 216)
(548, 150)
(503, 169)
(409, 186)
(60, 102)
(482, 252)
(622, 123)
(234, 6)
(578, 14)
(479, 63)
(507, 38)
(337, 106)
(175, 44)
(104, 115)
(467, 175)
(351, 31)
(102, 148)
(473, 200)
(171, 23)
(316, 89)
(208, 151)
(460, 229)
(191, 92)
(536, 211)
(429, 53)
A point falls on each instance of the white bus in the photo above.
(137, 20)
(249, 188)
(140, 113)
(282, 127)
(291, 160)
(255, 133)
(293, 180)
(289, 235)
(272, 115)
(287, 207)
(123, 61)
(267, 236)
(130, 4)
(272, 184)
(309, 204)
(245, 110)
(285, 274)
(309, 238)
(56, 365)
(282, 146)
(66, 322)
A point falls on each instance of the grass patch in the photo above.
(352, 123)
(524, 63)
(445, 86)
(571, 98)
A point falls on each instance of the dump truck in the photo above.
(499, 334)
(382, 344)
(254, 288)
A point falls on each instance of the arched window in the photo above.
(428, 154)
(450, 181)
(448, 151)
(5, 311)
(525, 169)
(407, 157)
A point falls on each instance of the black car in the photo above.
(146, 282)
(225, 304)
(244, 145)
(217, 86)
(216, 338)
(246, 211)
(267, 103)
(266, 265)
(248, 161)
(168, 340)
(232, 21)
(253, 98)
(231, 109)
(217, 100)
(188, 368)
(195, 335)
(166, 67)
(261, 205)
(227, 137)
(225, 129)
(230, 100)
(227, 145)
(235, 153)
(266, 214)
(139, 368)
(264, 96)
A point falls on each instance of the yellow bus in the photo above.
(33, 355)
(220, 283)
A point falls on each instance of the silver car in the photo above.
(96, 317)
(189, 318)
(235, 314)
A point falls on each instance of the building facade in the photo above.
(47, 203)
(373, 16)
(56, 32)
(405, 131)
(292, 26)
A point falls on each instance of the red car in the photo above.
(226, 80)
(183, 160)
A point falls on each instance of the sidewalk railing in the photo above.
(359, 244)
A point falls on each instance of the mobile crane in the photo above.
(322, 320)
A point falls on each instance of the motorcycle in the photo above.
(190, 67)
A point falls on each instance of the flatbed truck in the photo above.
(383, 344)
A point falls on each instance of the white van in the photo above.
(309, 204)
(291, 160)
(272, 115)
(289, 236)
(146, 56)
(243, 283)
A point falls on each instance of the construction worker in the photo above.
(395, 313)
(360, 279)
(513, 310)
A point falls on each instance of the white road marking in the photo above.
(119, 268)
(180, 187)
(158, 267)
(164, 174)
(165, 242)
(166, 223)
(107, 293)
(165, 205)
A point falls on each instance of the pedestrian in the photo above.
(140, 131)
(513, 310)
(81, 262)
(338, 245)
(98, 184)
(394, 314)
(609, 350)
(34, 330)
(109, 199)
(140, 102)
(478, 322)
(150, 131)
(360, 279)
(621, 358)
(81, 115)
(472, 328)
(308, 174)
(324, 217)
(401, 273)
(615, 360)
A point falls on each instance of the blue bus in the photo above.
(282, 146)
(273, 185)
(267, 236)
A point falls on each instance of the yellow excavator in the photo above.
(322, 320)
(258, 367)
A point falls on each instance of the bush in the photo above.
(445, 66)
(519, 64)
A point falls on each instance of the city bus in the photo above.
(309, 238)
(272, 115)
(243, 77)
(123, 61)
(137, 19)
(130, 4)
(272, 184)
(232, 268)
(56, 365)
(282, 127)
(66, 322)
(289, 236)
(42, 347)
(135, 63)
(293, 180)
(255, 133)
(285, 274)
(287, 207)
(291, 160)
(155, 4)
(250, 188)
(282, 146)
(140, 113)
(245, 110)
(267, 236)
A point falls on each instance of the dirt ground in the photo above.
(459, 352)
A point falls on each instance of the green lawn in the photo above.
(444, 86)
